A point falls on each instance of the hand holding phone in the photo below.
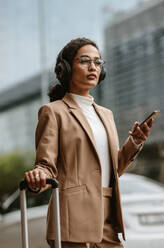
(140, 131)
(153, 115)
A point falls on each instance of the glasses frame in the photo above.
(98, 67)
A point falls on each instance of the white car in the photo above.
(143, 211)
(10, 228)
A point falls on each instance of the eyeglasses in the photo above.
(86, 61)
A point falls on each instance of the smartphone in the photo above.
(153, 114)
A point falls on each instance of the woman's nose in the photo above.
(92, 66)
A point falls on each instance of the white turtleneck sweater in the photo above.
(99, 133)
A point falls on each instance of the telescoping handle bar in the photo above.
(52, 181)
(23, 205)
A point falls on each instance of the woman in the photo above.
(77, 143)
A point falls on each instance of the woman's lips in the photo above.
(91, 76)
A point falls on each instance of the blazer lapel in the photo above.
(112, 134)
(76, 111)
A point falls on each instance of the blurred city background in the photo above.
(130, 35)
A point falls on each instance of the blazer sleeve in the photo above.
(126, 155)
(46, 141)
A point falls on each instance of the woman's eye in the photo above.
(85, 60)
(98, 62)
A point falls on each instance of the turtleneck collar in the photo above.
(84, 101)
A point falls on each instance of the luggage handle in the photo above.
(52, 181)
(24, 226)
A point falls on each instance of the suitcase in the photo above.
(23, 206)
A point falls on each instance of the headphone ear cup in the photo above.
(102, 75)
(63, 71)
(68, 70)
(59, 71)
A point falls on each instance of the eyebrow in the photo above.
(89, 56)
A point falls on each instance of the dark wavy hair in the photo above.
(68, 53)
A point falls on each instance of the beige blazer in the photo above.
(66, 150)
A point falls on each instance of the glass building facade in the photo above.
(135, 67)
(19, 107)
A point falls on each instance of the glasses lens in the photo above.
(98, 63)
(86, 61)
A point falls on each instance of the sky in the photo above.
(26, 46)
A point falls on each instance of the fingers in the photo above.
(140, 134)
(136, 124)
(145, 129)
(36, 178)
